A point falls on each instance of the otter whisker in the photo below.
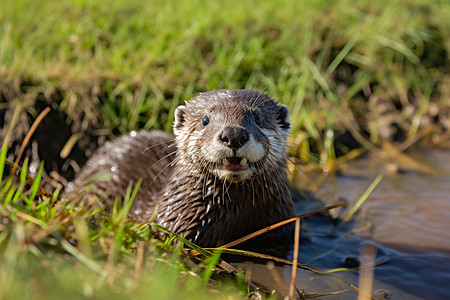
(227, 191)
(158, 144)
(295, 165)
(303, 152)
(223, 191)
(162, 150)
(291, 161)
(159, 160)
(206, 176)
(160, 172)
(256, 98)
(263, 102)
(214, 188)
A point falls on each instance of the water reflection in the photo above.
(408, 210)
(406, 218)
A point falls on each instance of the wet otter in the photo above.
(222, 177)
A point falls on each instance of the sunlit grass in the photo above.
(74, 249)
(122, 66)
(115, 66)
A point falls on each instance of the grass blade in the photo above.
(363, 198)
(36, 184)
(3, 161)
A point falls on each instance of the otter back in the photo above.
(126, 159)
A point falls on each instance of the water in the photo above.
(406, 220)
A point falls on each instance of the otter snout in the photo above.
(234, 137)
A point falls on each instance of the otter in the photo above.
(222, 176)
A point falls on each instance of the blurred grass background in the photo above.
(355, 75)
(369, 71)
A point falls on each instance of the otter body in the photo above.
(222, 176)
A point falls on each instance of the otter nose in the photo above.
(234, 137)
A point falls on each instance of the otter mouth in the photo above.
(235, 164)
(233, 169)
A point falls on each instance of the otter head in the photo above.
(232, 134)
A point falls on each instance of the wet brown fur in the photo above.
(177, 178)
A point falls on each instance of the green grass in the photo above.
(56, 248)
(113, 66)
(121, 65)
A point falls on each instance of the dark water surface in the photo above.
(405, 221)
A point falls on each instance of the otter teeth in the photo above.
(225, 162)
(243, 162)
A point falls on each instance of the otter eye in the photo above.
(205, 121)
(258, 119)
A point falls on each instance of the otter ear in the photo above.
(283, 116)
(179, 116)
